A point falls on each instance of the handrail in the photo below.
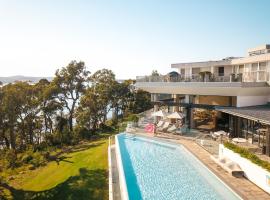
(189, 78)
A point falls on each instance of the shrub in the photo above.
(11, 158)
(133, 118)
(245, 153)
(38, 160)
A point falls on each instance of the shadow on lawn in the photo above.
(89, 184)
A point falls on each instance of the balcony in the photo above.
(232, 85)
(191, 78)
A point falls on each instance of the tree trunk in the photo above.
(7, 142)
(12, 138)
(70, 121)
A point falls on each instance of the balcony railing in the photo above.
(191, 78)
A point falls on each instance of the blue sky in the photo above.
(130, 37)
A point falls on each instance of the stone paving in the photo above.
(115, 176)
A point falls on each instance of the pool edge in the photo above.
(122, 178)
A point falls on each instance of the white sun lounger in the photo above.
(160, 123)
(228, 165)
(171, 129)
(164, 127)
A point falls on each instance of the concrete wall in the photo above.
(251, 100)
(253, 172)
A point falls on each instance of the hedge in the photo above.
(245, 153)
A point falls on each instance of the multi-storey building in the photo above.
(231, 94)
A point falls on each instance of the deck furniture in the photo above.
(164, 127)
(160, 123)
(239, 140)
(172, 129)
(228, 165)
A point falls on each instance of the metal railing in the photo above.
(190, 78)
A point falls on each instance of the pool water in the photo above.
(156, 170)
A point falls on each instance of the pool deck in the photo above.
(115, 176)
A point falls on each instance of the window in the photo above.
(220, 71)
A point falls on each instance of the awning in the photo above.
(255, 113)
(159, 113)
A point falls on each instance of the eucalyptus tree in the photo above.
(90, 111)
(103, 83)
(68, 85)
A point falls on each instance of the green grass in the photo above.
(81, 174)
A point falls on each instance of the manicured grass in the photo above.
(81, 174)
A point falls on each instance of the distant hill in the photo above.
(11, 79)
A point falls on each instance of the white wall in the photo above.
(254, 173)
(251, 100)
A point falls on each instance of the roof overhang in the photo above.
(255, 113)
(206, 88)
(202, 64)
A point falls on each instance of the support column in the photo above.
(187, 112)
(191, 118)
(154, 98)
(267, 142)
(176, 100)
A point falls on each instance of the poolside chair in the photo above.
(159, 124)
(164, 127)
(172, 129)
(231, 167)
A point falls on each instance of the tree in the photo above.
(14, 110)
(90, 111)
(155, 73)
(103, 83)
(141, 101)
(49, 106)
(122, 97)
(68, 85)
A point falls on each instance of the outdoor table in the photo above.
(239, 140)
(219, 133)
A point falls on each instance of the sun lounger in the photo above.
(228, 165)
(171, 129)
(160, 123)
(164, 127)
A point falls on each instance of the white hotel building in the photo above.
(235, 91)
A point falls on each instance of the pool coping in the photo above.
(122, 178)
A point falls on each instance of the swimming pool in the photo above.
(155, 170)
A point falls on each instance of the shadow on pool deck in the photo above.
(89, 184)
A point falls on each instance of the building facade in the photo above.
(231, 94)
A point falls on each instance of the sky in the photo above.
(130, 37)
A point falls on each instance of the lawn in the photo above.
(81, 174)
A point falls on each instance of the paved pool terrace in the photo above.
(242, 186)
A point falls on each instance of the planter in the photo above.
(253, 172)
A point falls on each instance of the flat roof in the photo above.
(202, 64)
(258, 48)
(255, 113)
